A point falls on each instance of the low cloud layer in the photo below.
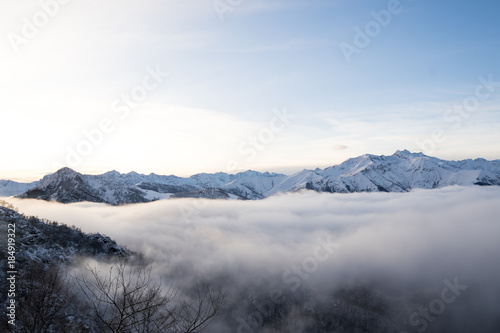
(407, 247)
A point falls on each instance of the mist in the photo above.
(292, 258)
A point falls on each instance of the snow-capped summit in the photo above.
(400, 172)
(67, 185)
(406, 154)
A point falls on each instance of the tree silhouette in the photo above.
(127, 300)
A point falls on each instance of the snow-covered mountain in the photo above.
(43, 251)
(114, 188)
(46, 241)
(67, 185)
(400, 172)
(9, 188)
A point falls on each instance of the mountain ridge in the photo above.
(400, 172)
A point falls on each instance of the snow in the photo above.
(152, 195)
(400, 172)
(10, 188)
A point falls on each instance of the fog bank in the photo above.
(313, 248)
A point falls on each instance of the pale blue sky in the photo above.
(227, 76)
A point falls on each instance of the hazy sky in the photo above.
(345, 77)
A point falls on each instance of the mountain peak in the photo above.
(406, 153)
(402, 152)
(400, 172)
(66, 170)
(63, 173)
(113, 173)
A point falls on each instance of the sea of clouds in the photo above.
(305, 249)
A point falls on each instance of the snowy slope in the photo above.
(48, 242)
(67, 185)
(9, 188)
(400, 172)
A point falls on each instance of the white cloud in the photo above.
(403, 243)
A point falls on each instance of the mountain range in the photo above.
(400, 172)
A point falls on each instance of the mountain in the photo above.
(9, 188)
(67, 185)
(38, 261)
(400, 172)
(44, 241)
(114, 188)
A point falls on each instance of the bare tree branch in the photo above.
(128, 300)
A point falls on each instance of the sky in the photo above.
(182, 87)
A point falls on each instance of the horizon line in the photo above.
(275, 170)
